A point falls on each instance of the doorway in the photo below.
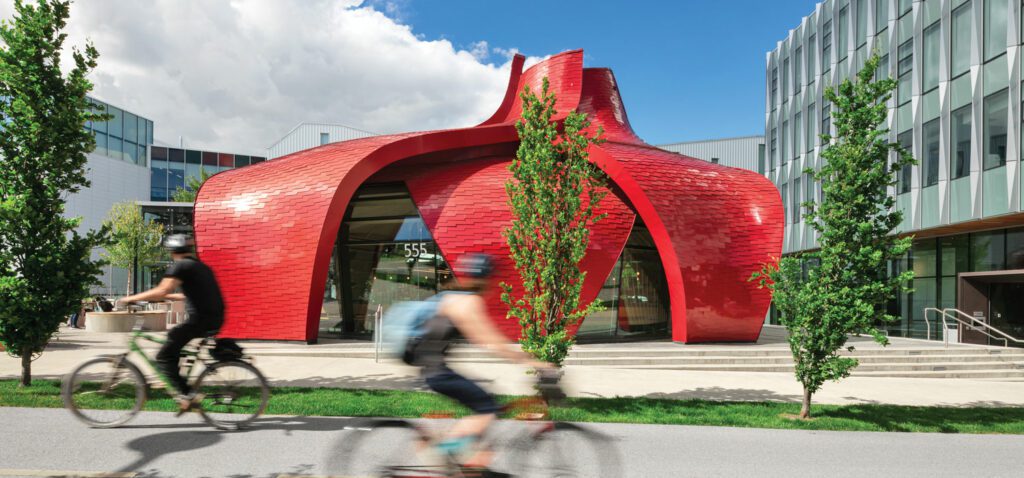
(995, 298)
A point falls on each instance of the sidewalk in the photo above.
(294, 364)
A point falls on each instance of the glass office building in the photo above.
(172, 166)
(957, 108)
(124, 136)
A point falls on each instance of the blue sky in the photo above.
(688, 69)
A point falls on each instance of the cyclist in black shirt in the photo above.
(203, 302)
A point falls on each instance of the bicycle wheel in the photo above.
(566, 450)
(234, 394)
(385, 448)
(104, 392)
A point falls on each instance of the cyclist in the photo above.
(464, 312)
(203, 303)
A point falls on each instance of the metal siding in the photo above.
(735, 152)
(307, 135)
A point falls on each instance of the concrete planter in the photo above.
(123, 322)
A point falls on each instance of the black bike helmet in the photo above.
(178, 244)
(474, 265)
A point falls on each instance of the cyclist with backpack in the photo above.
(463, 311)
(204, 305)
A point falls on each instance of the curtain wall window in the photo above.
(960, 48)
(906, 140)
(930, 164)
(995, 111)
(960, 142)
(932, 45)
(826, 46)
(904, 69)
(994, 34)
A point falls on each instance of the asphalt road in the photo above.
(45, 442)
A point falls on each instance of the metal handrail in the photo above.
(972, 321)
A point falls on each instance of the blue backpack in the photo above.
(404, 325)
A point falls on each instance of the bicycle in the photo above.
(542, 448)
(108, 391)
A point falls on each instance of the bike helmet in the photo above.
(475, 265)
(178, 244)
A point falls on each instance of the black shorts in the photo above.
(461, 389)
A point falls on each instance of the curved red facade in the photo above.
(268, 230)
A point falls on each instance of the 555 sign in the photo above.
(416, 249)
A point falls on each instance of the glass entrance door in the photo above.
(1007, 309)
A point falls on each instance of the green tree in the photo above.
(192, 185)
(135, 242)
(553, 194)
(45, 265)
(843, 288)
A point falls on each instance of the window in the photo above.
(930, 165)
(775, 85)
(811, 71)
(862, 22)
(932, 42)
(904, 7)
(883, 68)
(960, 49)
(810, 128)
(798, 129)
(995, 28)
(324, 138)
(785, 196)
(826, 120)
(809, 190)
(881, 15)
(842, 44)
(903, 72)
(714, 160)
(960, 142)
(796, 200)
(797, 83)
(774, 147)
(906, 140)
(114, 124)
(826, 46)
(784, 139)
(995, 110)
(760, 159)
(785, 80)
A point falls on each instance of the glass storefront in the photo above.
(937, 262)
(385, 254)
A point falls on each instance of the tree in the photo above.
(843, 288)
(553, 194)
(192, 185)
(135, 242)
(45, 264)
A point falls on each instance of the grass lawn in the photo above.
(389, 403)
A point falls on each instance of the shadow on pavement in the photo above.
(152, 447)
(728, 395)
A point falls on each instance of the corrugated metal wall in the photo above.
(739, 152)
(307, 135)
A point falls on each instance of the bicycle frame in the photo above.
(191, 356)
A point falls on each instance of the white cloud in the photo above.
(236, 75)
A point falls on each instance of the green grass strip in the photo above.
(407, 404)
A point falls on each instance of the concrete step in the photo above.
(1000, 369)
(780, 360)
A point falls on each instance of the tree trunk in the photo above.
(805, 409)
(26, 366)
(128, 289)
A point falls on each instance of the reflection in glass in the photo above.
(988, 251)
(995, 109)
(960, 141)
